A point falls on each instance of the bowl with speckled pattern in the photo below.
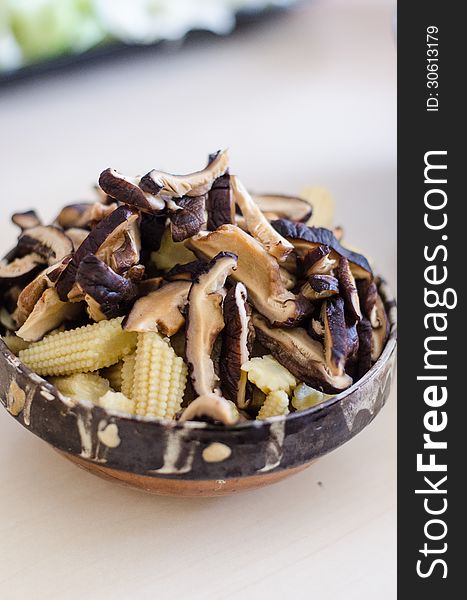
(194, 458)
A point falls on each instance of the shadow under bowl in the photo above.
(194, 458)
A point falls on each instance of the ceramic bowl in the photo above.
(194, 458)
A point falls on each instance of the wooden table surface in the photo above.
(305, 98)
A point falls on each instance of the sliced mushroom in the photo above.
(160, 310)
(122, 252)
(187, 272)
(48, 313)
(112, 293)
(318, 287)
(29, 297)
(236, 344)
(49, 242)
(26, 220)
(375, 312)
(205, 321)
(100, 241)
(258, 225)
(189, 219)
(278, 206)
(365, 335)
(257, 270)
(194, 184)
(220, 205)
(302, 355)
(306, 238)
(335, 335)
(213, 407)
(317, 261)
(128, 190)
(19, 269)
(348, 290)
(77, 236)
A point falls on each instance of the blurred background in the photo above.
(302, 94)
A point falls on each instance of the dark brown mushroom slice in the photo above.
(122, 252)
(220, 206)
(48, 241)
(205, 321)
(365, 334)
(316, 329)
(109, 229)
(318, 261)
(257, 270)
(194, 184)
(258, 225)
(131, 191)
(236, 344)
(352, 343)
(19, 270)
(318, 287)
(281, 206)
(305, 238)
(335, 335)
(189, 219)
(186, 272)
(160, 310)
(367, 292)
(112, 293)
(348, 290)
(26, 220)
(374, 310)
(301, 355)
(48, 314)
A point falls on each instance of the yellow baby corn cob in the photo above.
(128, 374)
(117, 401)
(159, 377)
(15, 343)
(81, 386)
(276, 403)
(113, 375)
(87, 348)
(268, 374)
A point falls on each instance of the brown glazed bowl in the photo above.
(194, 458)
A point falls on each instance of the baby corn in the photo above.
(80, 350)
(276, 403)
(117, 401)
(81, 386)
(128, 375)
(159, 377)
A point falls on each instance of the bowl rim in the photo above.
(391, 308)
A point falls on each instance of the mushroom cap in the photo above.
(112, 293)
(189, 219)
(129, 191)
(19, 269)
(305, 238)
